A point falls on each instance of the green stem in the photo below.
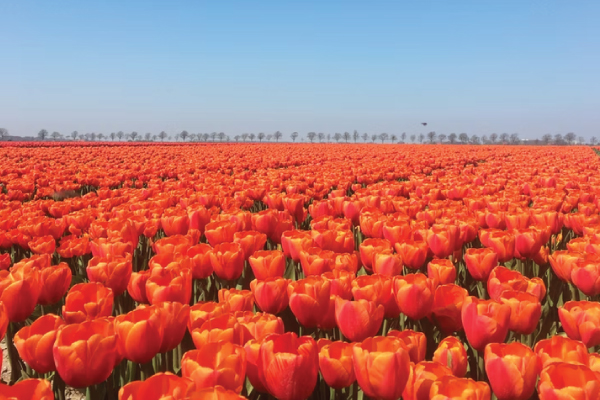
(13, 356)
(58, 387)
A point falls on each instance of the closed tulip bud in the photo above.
(137, 286)
(223, 328)
(34, 342)
(441, 271)
(568, 381)
(503, 244)
(422, 377)
(294, 242)
(86, 353)
(382, 367)
(561, 349)
(112, 271)
(528, 242)
(451, 353)
(563, 262)
(447, 305)
(586, 275)
(200, 258)
(336, 364)
(19, 291)
(525, 311)
(581, 321)
(453, 388)
(413, 253)
(414, 295)
(174, 221)
(358, 319)
(480, 262)
(169, 285)
(252, 348)
(270, 295)
(239, 300)
(512, 370)
(288, 366)
(369, 247)
(387, 263)
(415, 343)
(174, 318)
(309, 300)
(379, 289)
(267, 264)
(203, 311)
(87, 301)
(159, 386)
(55, 281)
(30, 389)
(227, 260)
(396, 231)
(214, 364)
(142, 325)
(441, 241)
(485, 321)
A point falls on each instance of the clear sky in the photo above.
(478, 66)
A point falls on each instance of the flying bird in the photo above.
(424, 123)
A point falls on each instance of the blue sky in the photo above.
(478, 66)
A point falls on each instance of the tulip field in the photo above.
(298, 271)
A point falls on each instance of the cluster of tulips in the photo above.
(297, 271)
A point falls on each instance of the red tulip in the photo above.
(480, 262)
(568, 381)
(451, 353)
(485, 321)
(214, 364)
(422, 377)
(414, 295)
(30, 389)
(452, 388)
(142, 325)
(447, 305)
(271, 295)
(309, 300)
(358, 319)
(581, 321)
(415, 343)
(87, 301)
(267, 263)
(561, 349)
(512, 370)
(34, 342)
(336, 365)
(526, 311)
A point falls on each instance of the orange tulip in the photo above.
(528, 242)
(568, 381)
(447, 305)
(561, 349)
(239, 300)
(441, 241)
(396, 231)
(480, 262)
(382, 367)
(586, 275)
(260, 325)
(200, 257)
(227, 260)
(34, 342)
(453, 388)
(415, 343)
(137, 286)
(267, 263)
(203, 311)
(503, 244)
(422, 377)
(369, 247)
(250, 242)
(158, 387)
(288, 366)
(220, 232)
(172, 244)
(252, 348)
(441, 271)
(86, 353)
(43, 245)
(169, 284)
(222, 328)
(112, 271)
(309, 300)
(485, 321)
(336, 364)
(358, 319)
(175, 221)
(581, 321)
(87, 301)
(316, 261)
(215, 393)
(414, 295)
(142, 325)
(214, 364)
(512, 370)
(379, 289)
(55, 281)
(387, 263)
(341, 283)
(294, 242)
(174, 318)
(3, 320)
(413, 253)
(502, 279)
(30, 389)
(19, 291)
(451, 353)
(525, 313)
(270, 295)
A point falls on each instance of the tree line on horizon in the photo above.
(431, 137)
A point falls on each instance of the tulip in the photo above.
(387, 263)
(453, 388)
(30, 389)
(250, 242)
(586, 275)
(3, 320)
(55, 281)
(270, 295)
(441, 241)
(447, 305)
(267, 263)
(252, 348)
(512, 370)
(309, 300)
(43, 245)
(220, 232)
(110, 247)
(5, 261)
(581, 321)
(316, 261)
(214, 364)
(174, 317)
(413, 253)
(288, 366)
(561, 349)
(216, 393)
(379, 289)
(594, 362)
(294, 242)
(441, 271)
(451, 353)
(113, 272)
(341, 283)
(172, 244)
(203, 311)
(200, 257)
(563, 262)
(175, 222)
(527, 242)
(258, 326)
(87, 301)
(358, 319)
(423, 376)
(34, 342)
(142, 325)
(239, 300)
(485, 321)
(159, 386)
(86, 353)
(19, 291)
(525, 313)
(502, 279)
(480, 262)
(137, 286)
(396, 231)
(169, 284)
(227, 260)
(336, 364)
(568, 381)
(503, 244)
(415, 343)
(369, 247)
(223, 328)
(414, 295)
(382, 367)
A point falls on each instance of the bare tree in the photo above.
(421, 137)
(43, 134)
(581, 140)
(393, 138)
(223, 136)
(365, 136)
(321, 136)
(403, 136)
(504, 138)
(355, 135)
(493, 138)
(373, 138)
(244, 136)
(442, 137)
(475, 139)
(269, 137)
(120, 135)
(593, 140)
(278, 135)
(3, 133)
(252, 137)
(148, 136)
(412, 138)
(547, 138)
(337, 136)
(514, 138)
(184, 134)
(485, 139)
(74, 135)
(431, 136)
(113, 135)
(100, 136)
(570, 137)
(558, 139)
(452, 137)
(93, 136)
(383, 137)
(162, 135)
(261, 136)
(294, 136)
(237, 138)
(464, 138)
(347, 136)
(205, 136)
(133, 135)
